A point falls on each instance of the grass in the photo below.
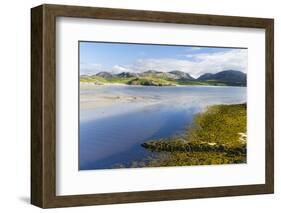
(151, 80)
(93, 79)
(216, 136)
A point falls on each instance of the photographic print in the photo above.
(152, 105)
(149, 99)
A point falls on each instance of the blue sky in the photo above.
(121, 57)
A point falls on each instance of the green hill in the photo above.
(157, 78)
(145, 81)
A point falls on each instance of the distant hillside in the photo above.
(228, 76)
(127, 75)
(175, 77)
(181, 75)
(104, 74)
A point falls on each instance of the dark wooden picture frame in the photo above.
(43, 105)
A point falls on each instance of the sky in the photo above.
(98, 57)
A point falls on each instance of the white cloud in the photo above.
(197, 64)
(119, 68)
(194, 64)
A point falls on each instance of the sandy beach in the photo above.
(89, 99)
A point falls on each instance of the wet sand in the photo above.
(89, 99)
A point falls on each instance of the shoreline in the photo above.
(173, 78)
(195, 147)
(114, 101)
(91, 84)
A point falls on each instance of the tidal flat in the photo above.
(117, 120)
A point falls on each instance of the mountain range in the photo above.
(174, 77)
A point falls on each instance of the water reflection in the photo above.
(115, 120)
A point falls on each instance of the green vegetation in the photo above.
(206, 83)
(93, 79)
(101, 80)
(150, 80)
(175, 77)
(216, 136)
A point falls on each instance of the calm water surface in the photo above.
(115, 120)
